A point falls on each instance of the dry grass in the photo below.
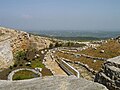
(95, 66)
(112, 49)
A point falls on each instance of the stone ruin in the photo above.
(110, 74)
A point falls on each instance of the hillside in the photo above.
(19, 49)
(88, 60)
(25, 56)
(21, 40)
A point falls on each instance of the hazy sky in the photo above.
(60, 14)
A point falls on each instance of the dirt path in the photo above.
(52, 65)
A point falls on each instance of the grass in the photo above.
(94, 65)
(37, 63)
(24, 74)
(112, 49)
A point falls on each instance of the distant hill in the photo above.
(77, 33)
(79, 38)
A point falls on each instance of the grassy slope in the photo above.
(95, 66)
(112, 49)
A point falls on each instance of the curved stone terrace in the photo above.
(10, 76)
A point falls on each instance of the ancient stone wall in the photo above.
(110, 74)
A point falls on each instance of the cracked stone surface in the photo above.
(52, 83)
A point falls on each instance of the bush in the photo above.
(51, 46)
(15, 65)
(58, 44)
(11, 67)
(20, 55)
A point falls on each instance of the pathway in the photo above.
(51, 64)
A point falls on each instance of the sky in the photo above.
(60, 14)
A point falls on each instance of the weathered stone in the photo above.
(52, 83)
(110, 74)
(102, 51)
(6, 54)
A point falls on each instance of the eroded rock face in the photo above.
(39, 42)
(110, 74)
(52, 83)
(6, 55)
(21, 40)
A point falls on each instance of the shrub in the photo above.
(15, 65)
(51, 45)
(20, 55)
(11, 67)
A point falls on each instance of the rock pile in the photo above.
(110, 74)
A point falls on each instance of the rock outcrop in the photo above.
(12, 41)
(39, 42)
(6, 55)
(110, 74)
(21, 40)
(52, 83)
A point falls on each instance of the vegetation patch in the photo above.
(111, 49)
(37, 63)
(24, 74)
